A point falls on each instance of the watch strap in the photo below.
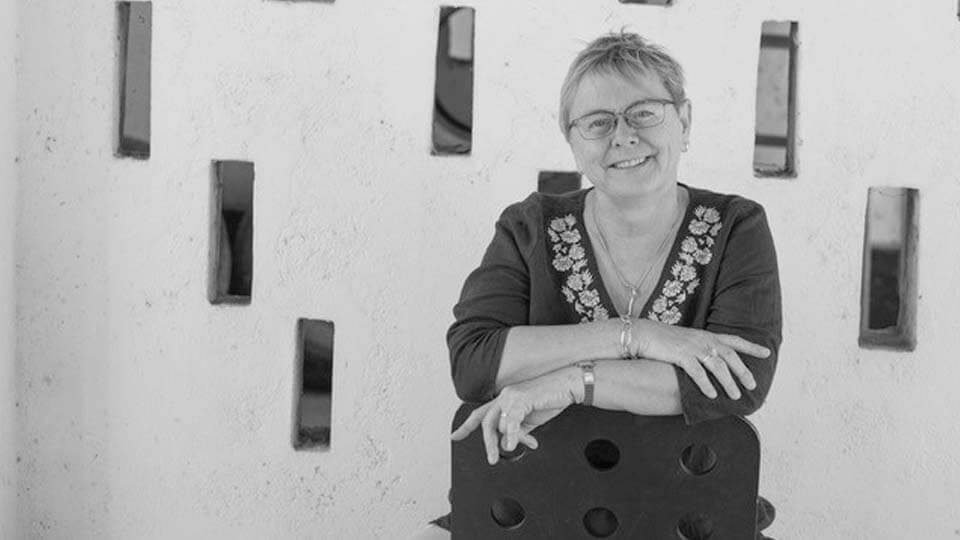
(589, 380)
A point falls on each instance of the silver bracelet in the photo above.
(626, 337)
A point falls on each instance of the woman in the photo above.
(668, 295)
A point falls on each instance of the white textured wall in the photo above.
(149, 413)
(8, 196)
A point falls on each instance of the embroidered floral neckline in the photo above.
(579, 287)
(570, 259)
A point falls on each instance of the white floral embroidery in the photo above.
(698, 227)
(590, 298)
(570, 237)
(702, 256)
(672, 316)
(570, 257)
(694, 250)
(562, 263)
(672, 288)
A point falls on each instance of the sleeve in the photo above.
(495, 297)
(746, 303)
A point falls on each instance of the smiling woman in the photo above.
(640, 294)
(621, 162)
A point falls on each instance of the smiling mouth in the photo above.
(630, 163)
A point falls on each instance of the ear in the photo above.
(686, 118)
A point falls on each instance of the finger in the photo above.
(699, 376)
(510, 429)
(468, 425)
(529, 440)
(718, 367)
(504, 420)
(738, 368)
(491, 438)
(513, 434)
(739, 344)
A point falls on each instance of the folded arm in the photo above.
(494, 353)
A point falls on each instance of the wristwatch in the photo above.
(586, 369)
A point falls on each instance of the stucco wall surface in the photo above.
(149, 413)
(8, 197)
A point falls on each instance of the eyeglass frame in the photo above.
(621, 114)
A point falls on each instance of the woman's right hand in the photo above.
(696, 351)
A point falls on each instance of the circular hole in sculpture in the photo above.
(600, 522)
(698, 459)
(602, 454)
(516, 454)
(695, 527)
(507, 513)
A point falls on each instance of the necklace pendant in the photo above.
(633, 299)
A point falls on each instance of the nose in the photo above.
(623, 134)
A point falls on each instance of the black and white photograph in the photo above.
(369, 270)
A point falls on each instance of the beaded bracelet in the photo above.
(626, 337)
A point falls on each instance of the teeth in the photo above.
(629, 163)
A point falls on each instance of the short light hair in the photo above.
(625, 54)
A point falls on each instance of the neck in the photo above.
(638, 215)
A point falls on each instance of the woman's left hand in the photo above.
(508, 419)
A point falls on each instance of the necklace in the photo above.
(631, 288)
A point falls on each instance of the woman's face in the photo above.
(629, 162)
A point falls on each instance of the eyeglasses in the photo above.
(642, 114)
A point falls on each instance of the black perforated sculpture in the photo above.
(605, 474)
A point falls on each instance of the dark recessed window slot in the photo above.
(315, 359)
(775, 138)
(134, 34)
(558, 181)
(888, 298)
(649, 2)
(453, 93)
(231, 234)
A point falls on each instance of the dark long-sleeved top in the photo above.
(540, 269)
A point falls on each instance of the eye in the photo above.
(642, 112)
(596, 123)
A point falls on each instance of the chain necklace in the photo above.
(632, 289)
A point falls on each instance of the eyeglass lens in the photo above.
(640, 115)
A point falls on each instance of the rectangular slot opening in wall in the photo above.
(453, 92)
(888, 301)
(649, 2)
(774, 143)
(315, 358)
(558, 181)
(231, 233)
(135, 20)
